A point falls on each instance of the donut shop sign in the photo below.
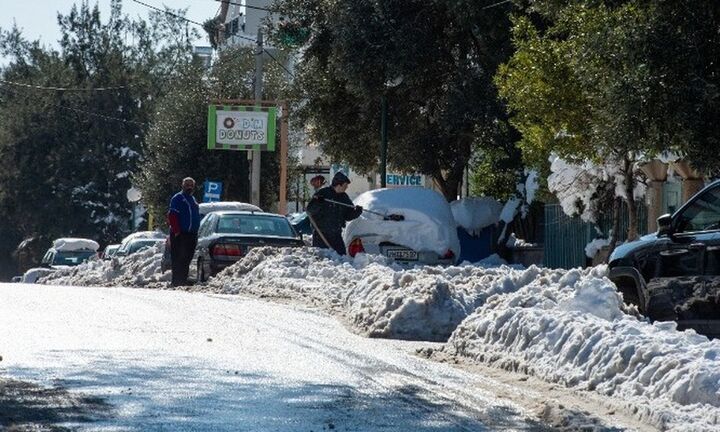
(233, 127)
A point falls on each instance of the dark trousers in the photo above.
(334, 238)
(182, 249)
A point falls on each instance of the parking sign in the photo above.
(212, 190)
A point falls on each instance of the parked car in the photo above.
(226, 236)
(110, 251)
(425, 234)
(138, 244)
(300, 222)
(205, 209)
(674, 274)
(65, 252)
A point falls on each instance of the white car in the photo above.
(210, 207)
(426, 234)
(65, 252)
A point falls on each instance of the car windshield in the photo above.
(703, 214)
(254, 225)
(71, 258)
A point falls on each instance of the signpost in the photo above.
(212, 191)
(404, 180)
(247, 125)
(232, 127)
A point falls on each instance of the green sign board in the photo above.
(233, 127)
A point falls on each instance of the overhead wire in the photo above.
(247, 6)
(90, 113)
(90, 89)
(53, 88)
(199, 24)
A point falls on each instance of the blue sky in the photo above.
(38, 18)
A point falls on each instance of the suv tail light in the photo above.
(449, 255)
(226, 251)
(355, 247)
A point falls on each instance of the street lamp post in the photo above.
(383, 141)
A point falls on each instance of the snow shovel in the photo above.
(322, 236)
(392, 217)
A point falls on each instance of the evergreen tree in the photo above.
(68, 155)
(433, 61)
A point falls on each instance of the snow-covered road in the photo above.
(167, 360)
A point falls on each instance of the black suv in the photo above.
(674, 274)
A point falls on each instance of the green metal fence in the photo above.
(566, 237)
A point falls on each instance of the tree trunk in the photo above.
(632, 232)
(452, 181)
(617, 205)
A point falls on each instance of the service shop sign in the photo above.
(241, 127)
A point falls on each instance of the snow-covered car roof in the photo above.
(210, 207)
(75, 244)
(428, 226)
(143, 235)
(474, 214)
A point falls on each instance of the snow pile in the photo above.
(569, 328)
(474, 214)
(592, 248)
(428, 226)
(75, 244)
(136, 270)
(377, 298)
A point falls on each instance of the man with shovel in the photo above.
(328, 210)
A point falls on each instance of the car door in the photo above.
(696, 234)
(203, 232)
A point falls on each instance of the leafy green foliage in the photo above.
(433, 61)
(614, 80)
(176, 145)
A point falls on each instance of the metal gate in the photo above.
(566, 237)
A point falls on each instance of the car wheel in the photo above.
(200, 271)
(661, 306)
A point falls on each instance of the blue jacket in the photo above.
(185, 212)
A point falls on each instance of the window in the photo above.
(254, 225)
(703, 214)
(71, 258)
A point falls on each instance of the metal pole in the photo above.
(255, 166)
(383, 141)
(282, 207)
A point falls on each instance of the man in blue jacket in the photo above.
(184, 220)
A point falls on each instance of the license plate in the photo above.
(402, 254)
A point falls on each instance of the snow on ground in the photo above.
(377, 298)
(565, 327)
(136, 270)
(569, 328)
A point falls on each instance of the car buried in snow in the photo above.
(138, 244)
(225, 237)
(674, 274)
(418, 227)
(64, 252)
